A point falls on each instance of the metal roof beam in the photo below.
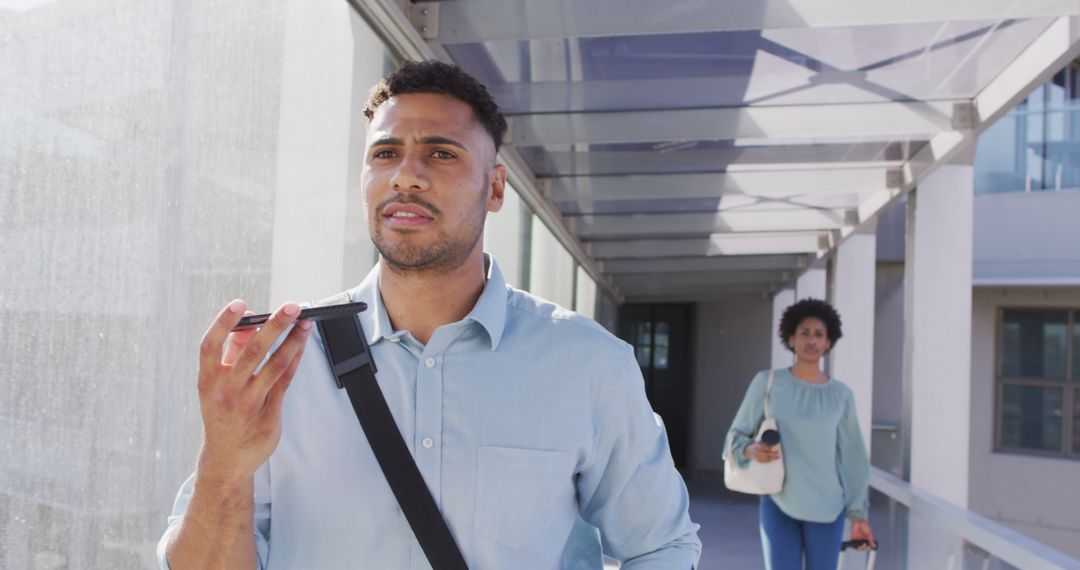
(691, 160)
(726, 293)
(637, 281)
(615, 267)
(805, 124)
(682, 291)
(489, 20)
(639, 226)
(771, 183)
(525, 97)
(718, 244)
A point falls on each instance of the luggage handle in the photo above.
(871, 557)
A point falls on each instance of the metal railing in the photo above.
(940, 534)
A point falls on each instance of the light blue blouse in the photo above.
(825, 462)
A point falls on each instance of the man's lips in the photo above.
(406, 215)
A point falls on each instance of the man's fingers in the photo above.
(259, 344)
(236, 342)
(213, 340)
(284, 358)
(276, 396)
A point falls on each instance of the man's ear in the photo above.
(497, 188)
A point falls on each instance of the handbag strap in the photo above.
(768, 392)
(354, 369)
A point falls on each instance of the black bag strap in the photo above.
(354, 368)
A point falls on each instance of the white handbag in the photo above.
(757, 478)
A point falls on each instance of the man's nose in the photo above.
(410, 176)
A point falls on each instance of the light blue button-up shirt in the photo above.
(521, 417)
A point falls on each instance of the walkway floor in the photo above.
(729, 528)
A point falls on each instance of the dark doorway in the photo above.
(662, 338)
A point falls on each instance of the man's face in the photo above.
(429, 180)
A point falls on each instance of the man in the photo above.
(520, 415)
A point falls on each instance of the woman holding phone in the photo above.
(825, 461)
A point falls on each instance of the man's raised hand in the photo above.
(241, 402)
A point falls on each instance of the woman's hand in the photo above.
(762, 453)
(860, 530)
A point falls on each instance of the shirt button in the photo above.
(430, 362)
(428, 442)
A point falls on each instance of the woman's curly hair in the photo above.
(434, 76)
(806, 309)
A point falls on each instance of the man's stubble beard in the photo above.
(446, 255)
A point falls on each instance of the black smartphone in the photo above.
(312, 314)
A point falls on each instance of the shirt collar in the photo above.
(489, 310)
(375, 320)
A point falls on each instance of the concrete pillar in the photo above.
(324, 61)
(937, 337)
(812, 284)
(360, 254)
(854, 272)
(781, 356)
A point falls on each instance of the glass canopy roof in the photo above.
(659, 139)
(907, 62)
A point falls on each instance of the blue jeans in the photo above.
(786, 541)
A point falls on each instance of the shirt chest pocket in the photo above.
(525, 497)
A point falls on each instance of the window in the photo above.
(1038, 384)
(1031, 148)
(643, 343)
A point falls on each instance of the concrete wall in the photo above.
(1034, 495)
(886, 450)
(891, 232)
(1027, 239)
(732, 343)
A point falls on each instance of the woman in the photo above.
(825, 463)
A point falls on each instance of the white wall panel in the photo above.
(551, 274)
(503, 236)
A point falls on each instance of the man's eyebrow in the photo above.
(431, 139)
(435, 139)
(388, 141)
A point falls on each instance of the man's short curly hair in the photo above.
(434, 76)
(805, 309)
